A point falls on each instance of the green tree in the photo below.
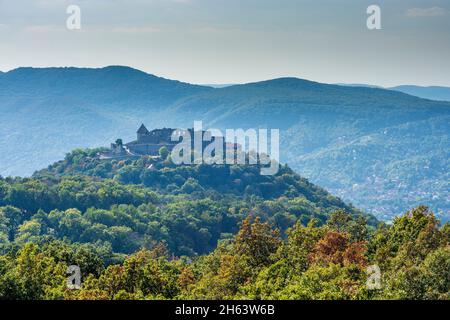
(163, 153)
(14, 218)
(257, 241)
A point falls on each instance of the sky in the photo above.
(236, 41)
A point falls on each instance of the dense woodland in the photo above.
(326, 262)
(147, 229)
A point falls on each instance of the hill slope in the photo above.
(46, 111)
(123, 206)
(384, 150)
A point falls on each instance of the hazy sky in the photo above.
(233, 41)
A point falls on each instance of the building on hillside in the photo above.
(148, 143)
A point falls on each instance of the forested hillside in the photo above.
(121, 206)
(149, 229)
(313, 262)
(382, 150)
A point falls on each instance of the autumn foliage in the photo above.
(327, 261)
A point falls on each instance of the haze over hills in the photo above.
(45, 113)
(432, 93)
(385, 151)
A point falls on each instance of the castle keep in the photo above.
(149, 142)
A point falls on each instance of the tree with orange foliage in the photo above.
(185, 278)
(336, 248)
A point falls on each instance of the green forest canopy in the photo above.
(147, 229)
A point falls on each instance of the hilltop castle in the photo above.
(148, 143)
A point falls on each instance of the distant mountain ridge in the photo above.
(384, 150)
(126, 81)
(71, 107)
(432, 93)
(438, 93)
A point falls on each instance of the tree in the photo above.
(29, 231)
(436, 274)
(257, 241)
(330, 249)
(339, 220)
(300, 243)
(358, 229)
(14, 218)
(39, 275)
(163, 153)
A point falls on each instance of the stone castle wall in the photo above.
(148, 149)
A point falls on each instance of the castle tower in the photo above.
(142, 132)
